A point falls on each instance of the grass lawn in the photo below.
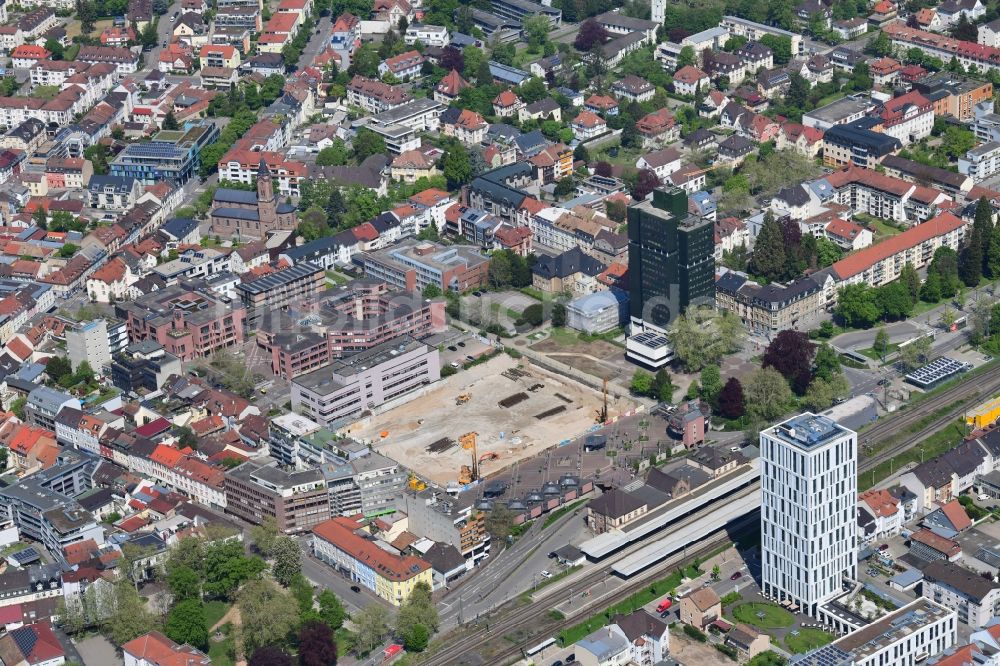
(947, 438)
(564, 336)
(15, 547)
(45, 92)
(214, 611)
(874, 355)
(222, 651)
(832, 97)
(808, 638)
(774, 617)
(637, 600)
(884, 230)
(336, 277)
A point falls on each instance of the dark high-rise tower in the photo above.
(671, 265)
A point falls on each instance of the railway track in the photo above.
(985, 384)
(537, 613)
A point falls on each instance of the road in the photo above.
(164, 33)
(317, 42)
(513, 572)
(326, 578)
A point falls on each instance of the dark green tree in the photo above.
(769, 256)
(186, 624)
(970, 268)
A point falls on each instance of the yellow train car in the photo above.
(984, 415)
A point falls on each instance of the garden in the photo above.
(763, 615)
(805, 639)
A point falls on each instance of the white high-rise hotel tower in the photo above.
(808, 515)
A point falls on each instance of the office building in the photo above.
(143, 365)
(671, 266)
(808, 510)
(413, 264)
(903, 637)
(259, 489)
(440, 517)
(279, 289)
(172, 155)
(366, 380)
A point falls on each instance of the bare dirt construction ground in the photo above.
(689, 651)
(542, 410)
(598, 358)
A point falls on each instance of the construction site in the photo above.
(485, 419)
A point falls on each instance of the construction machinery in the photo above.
(469, 474)
(602, 413)
(462, 399)
(488, 456)
(415, 483)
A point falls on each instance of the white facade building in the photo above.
(981, 162)
(808, 510)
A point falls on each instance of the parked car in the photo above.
(884, 546)
(545, 574)
(736, 576)
(664, 605)
(355, 588)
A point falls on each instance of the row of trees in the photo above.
(783, 252)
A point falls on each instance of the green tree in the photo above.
(17, 407)
(686, 57)
(642, 383)
(265, 536)
(333, 155)
(881, 343)
(186, 624)
(993, 254)
(663, 386)
(558, 315)
(702, 336)
(128, 616)
(331, 611)
(769, 257)
(893, 300)
(184, 583)
(916, 354)
(268, 615)
(431, 291)
(983, 221)
(367, 143)
(711, 383)
(58, 367)
(314, 224)
(970, 268)
(456, 166)
(54, 47)
(536, 29)
(287, 560)
(881, 46)
(226, 568)
(371, 627)
(365, 61)
(415, 636)
(911, 280)
(766, 394)
(856, 306)
(826, 363)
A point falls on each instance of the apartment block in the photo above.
(279, 289)
(391, 577)
(981, 162)
(187, 319)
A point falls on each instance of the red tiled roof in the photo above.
(844, 229)
(863, 259)
(155, 648)
(881, 502)
(956, 514)
(588, 119)
(340, 533)
(113, 271)
(153, 428)
(506, 99)
(689, 75)
(937, 542)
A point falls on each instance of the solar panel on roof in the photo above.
(936, 371)
(25, 639)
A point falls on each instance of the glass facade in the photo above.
(670, 258)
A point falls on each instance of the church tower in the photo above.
(266, 207)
